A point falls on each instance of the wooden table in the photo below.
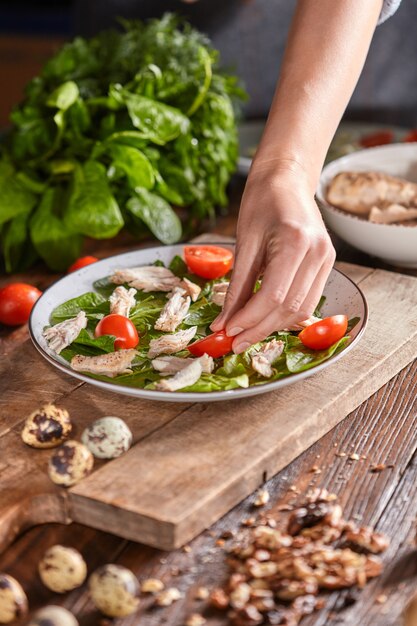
(382, 429)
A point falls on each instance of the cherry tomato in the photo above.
(16, 303)
(81, 262)
(120, 327)
(411, 136)
(215, 345)
(325, 333)
(208, 261)
(380, 138)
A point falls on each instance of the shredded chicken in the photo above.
(264, 358)
(187, 376)
(393, 213)
(358, 192)
(63, 334)
(168, 344)
(300, 325)
(110, 365)
(218, 295)
(122, 300)
(173, 312)
(191, 289)
(147, 278)
(169, 365)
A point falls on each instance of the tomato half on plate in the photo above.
(16, 303)
(323, 334)
(379, 138)
(81, 262)
(208, 261)
(411, 136)
(215, 345)
(120, 327)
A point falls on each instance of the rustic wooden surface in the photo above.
(382, 429)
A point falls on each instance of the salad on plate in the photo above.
(149, 327)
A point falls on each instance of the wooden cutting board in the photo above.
(190, 463)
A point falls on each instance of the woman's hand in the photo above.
(280, 235)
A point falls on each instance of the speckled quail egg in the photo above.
(13, 600)
(53, 616)
(114, 589)
(62, 569)
(107, 437)
(47, 427)
(70, 463)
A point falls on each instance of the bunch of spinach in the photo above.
(113, 132)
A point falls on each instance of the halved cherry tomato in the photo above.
(323, 334)
(81, 262)
(16, 303)
(380, 138)
(215, 345)
(411, 136)
(208, 261)
(120, 327)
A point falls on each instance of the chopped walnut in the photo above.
(219, 599)
(262, 498)
(168, 597)
(247, 616)
(240, 595)
(195, 619)
(366, 540)
(202, 593)
(152, 585)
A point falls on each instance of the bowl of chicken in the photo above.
(369, 199)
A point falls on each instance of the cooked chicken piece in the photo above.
(168, 344)
(183, 378)
(122, 300)
(63, 334)
(169, 365)
(191, 289)
(147, 278)
(173, 312)
(110, 365)
(264, 358)
(358, 192)
(393, 213)
(218, 294)
(300, 325)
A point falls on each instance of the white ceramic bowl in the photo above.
(394, 243)
(342, 296)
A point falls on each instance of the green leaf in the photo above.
(128, 138)
(157, 214)
(202, 315)
(93, 304)
(214, 382)
(178, 266)
(87, 345)
(92, 209)
(63, 96)
(15, 199)
(299, 358)
(134, 164)
(15, 241)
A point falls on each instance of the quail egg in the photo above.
(47, 427)
(62, 569)
(70, 463)
(107, 437)
(114, 589)
(13, 600)
(53, 616)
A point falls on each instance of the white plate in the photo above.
(343, 296)
(250, 134)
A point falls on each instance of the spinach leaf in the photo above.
(93, 304)
(86, 345)
(157, 214)
(92, 209)
(299, 358)
(134, 164)
(215, 382)
(178, 266)
(15, 241)
(15, 198)
(201, 314)
(63, 96)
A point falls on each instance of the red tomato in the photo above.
(16, 303)
(215, 345)
(324, 333)
(411, 136)
(81, 262)
(380, 138)
(120, 327)
(208, 261)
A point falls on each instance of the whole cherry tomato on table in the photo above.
(208, 261)
(215, 345)
(323, 334)
(120, 327)
(16, 303)
(81, 262)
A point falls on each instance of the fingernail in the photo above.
(217, 324)
(241, 347)
(234, 331)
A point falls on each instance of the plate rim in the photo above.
(193, 396)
